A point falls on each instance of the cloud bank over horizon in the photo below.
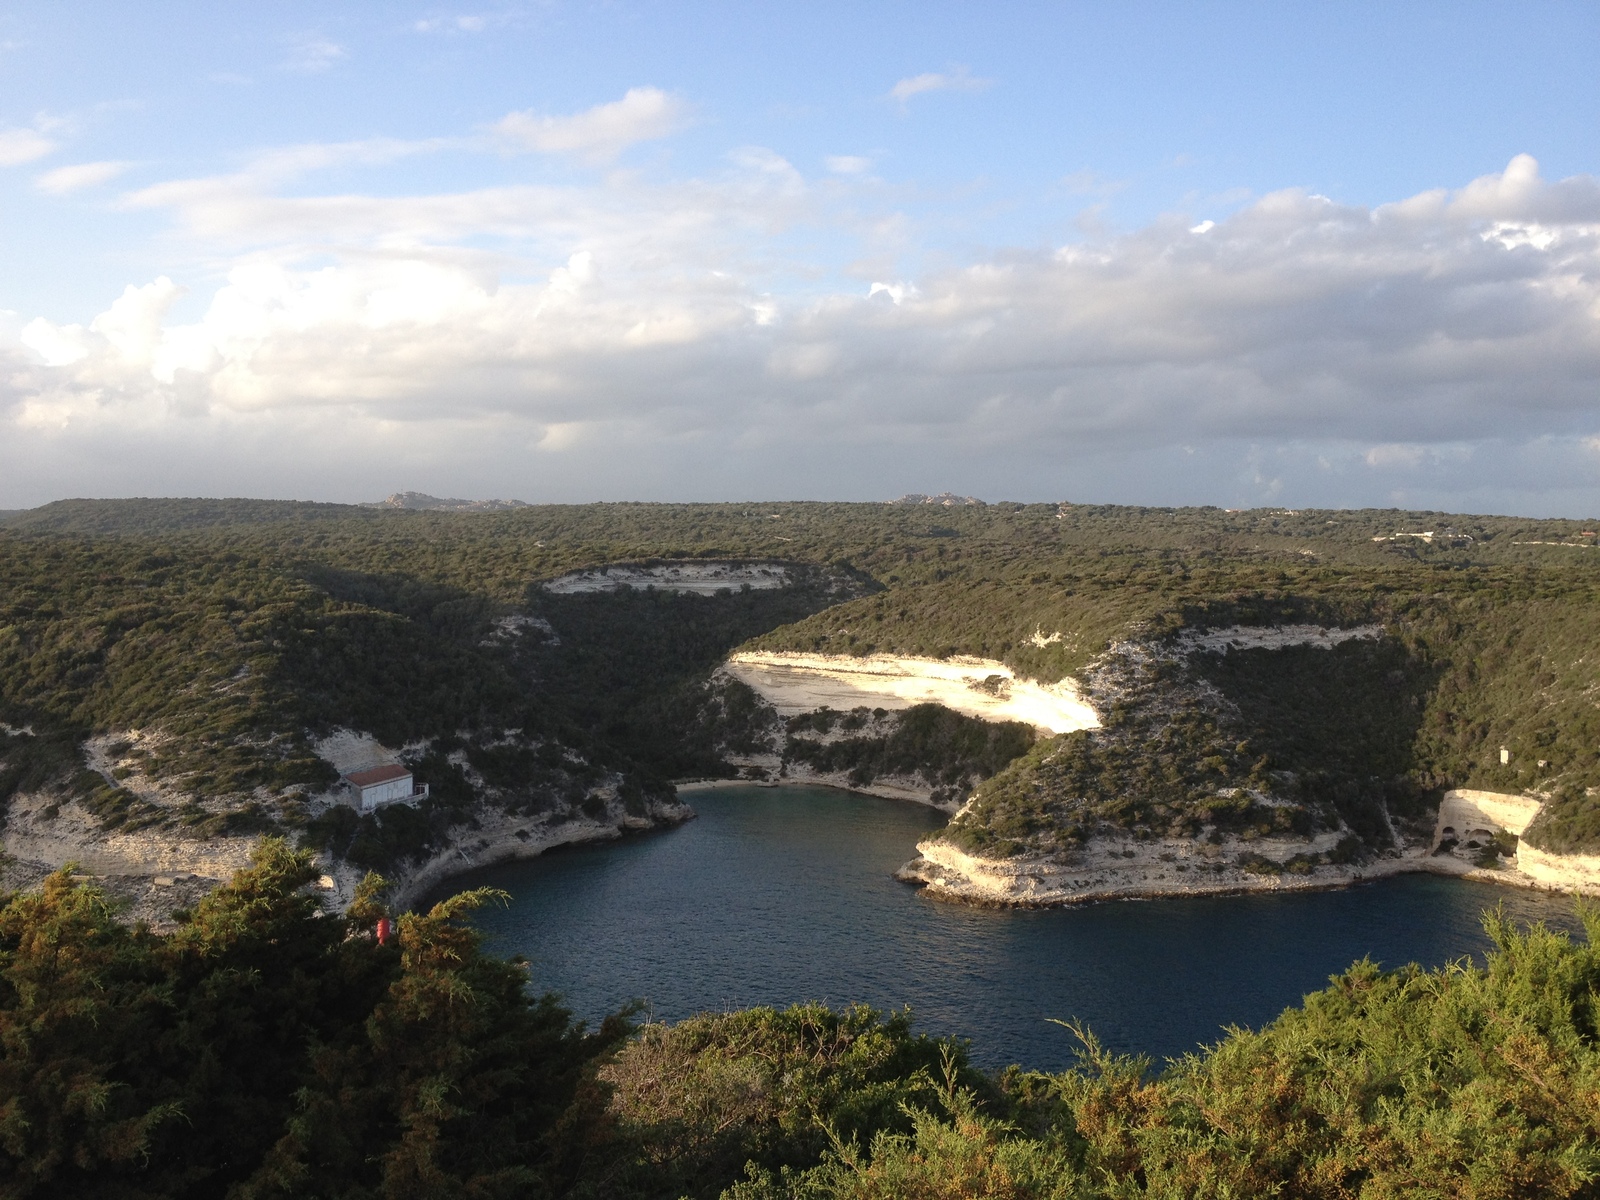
(634, 332)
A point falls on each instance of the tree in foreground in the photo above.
(268, 1050)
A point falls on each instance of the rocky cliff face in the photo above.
(1236, 759)
(774, 728)
(1475, 836)
(175, 847)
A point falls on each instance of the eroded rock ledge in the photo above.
(1473, 830)
(155, 871)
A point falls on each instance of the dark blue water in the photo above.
(775, 896)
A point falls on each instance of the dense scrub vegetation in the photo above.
(239, 659)
(268, 1049)
(947, 751)
(1254, 742)
(630, 666)
(240, 629)
(1461, 1082)
(1368, 734)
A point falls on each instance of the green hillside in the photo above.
(264, 1049)
(242, 629)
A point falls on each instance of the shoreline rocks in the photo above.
(157, 870)
(1109, 868)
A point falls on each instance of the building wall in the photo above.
(383, 793)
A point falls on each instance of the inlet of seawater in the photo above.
(779, 895)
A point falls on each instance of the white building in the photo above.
(383, 785)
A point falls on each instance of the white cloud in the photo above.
(461, 23)
(314, 55)
(241, 202)
(848, 164)
(600, 133)
(18, 146)
(958, 79)
(133, 324)
(57, 345)
(78, 176)
(631, 335)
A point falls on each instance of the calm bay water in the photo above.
(775, 896)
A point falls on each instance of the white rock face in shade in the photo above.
(704, 578)
(1274, 637)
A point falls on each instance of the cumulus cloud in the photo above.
(78, 176)
(958, 79)
(19, 146)
(600, 133)
(638, 337)
(56, 345)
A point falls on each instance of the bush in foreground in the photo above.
(268, 1049)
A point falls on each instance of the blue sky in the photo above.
(694, 251)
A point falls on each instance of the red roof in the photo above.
(375, 775)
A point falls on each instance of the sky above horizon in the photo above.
(1239, 254)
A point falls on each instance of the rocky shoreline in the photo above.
(1111, 868)
(768, 771)
(153, 872)
(503, 837)
(1126, 870)
(1020, 887)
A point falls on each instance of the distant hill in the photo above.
(943, 499)
(142, 515)
(424, 502)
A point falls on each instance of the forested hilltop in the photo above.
(209, 644)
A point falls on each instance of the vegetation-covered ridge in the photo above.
(268, 1048)
(1493, 687)
(210, 643)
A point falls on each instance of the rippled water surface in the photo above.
(777, 895)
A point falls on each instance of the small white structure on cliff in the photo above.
(383, 785)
